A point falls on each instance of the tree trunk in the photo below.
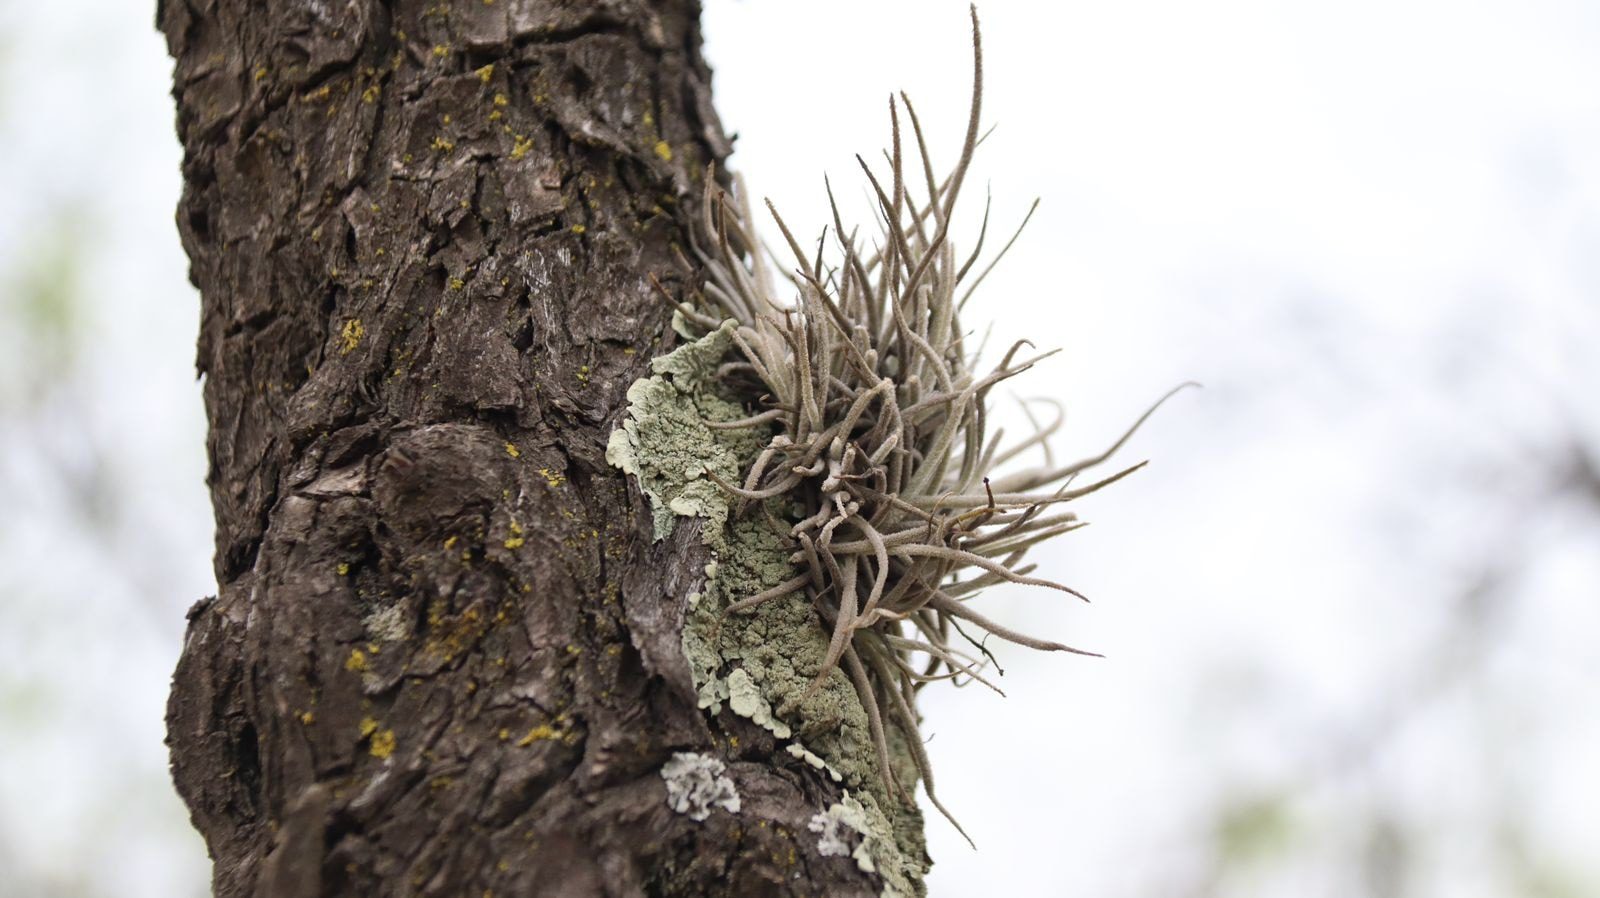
(445, 655)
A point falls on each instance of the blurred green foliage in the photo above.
(1254, 829)
(42, 303)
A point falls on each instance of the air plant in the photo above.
(880, 437)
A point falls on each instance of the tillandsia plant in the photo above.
(881, 471)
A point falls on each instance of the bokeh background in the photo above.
(1351, 609)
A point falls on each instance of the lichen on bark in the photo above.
(873, 853)
(760, 664)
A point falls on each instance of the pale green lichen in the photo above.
(746, 700)
(759, 664)
(664, 441)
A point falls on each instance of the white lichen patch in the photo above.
(799, 751)
(696, 784)
(388, 623)
(875, 852)
(837, 827)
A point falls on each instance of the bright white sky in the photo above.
(1367, 227)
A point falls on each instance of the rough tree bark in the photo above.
(444, 656)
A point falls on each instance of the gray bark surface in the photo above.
(444, 658)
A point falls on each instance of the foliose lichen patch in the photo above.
(860, 821)
(695, 785)
(664, 441)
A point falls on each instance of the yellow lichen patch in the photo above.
(540, 733)
(370, 95)
(350, 336)
(382, 745)
(457, 284)
(494, 116)
(261, 73)
(357, 660)
(451, 542)
(551, 477)
(343, 569)
(520, 146)
(578, 229)
(512, 450)
(583, 373)
(439, 143)
(485, 73)
(449, 636)
(515, 541)
(664, 150)
(441, 51)
(505, 735)
(501, 100)
(368, 727)
(308, 718)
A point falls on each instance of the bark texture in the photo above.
(444, 658)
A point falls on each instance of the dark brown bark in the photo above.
(444, 658)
